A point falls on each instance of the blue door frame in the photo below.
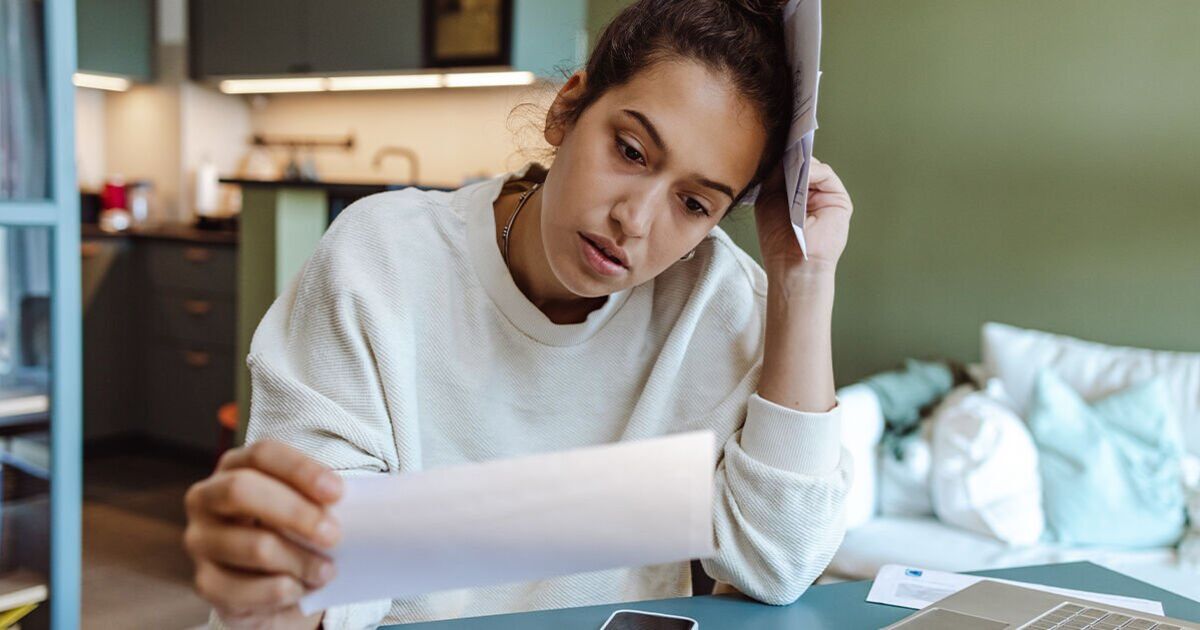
(60, 212)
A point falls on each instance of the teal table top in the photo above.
(835, 606)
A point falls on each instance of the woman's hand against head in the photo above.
(826, 227)
(257, 529)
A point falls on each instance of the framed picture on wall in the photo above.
(467, 32)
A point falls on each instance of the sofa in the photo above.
(897, 518)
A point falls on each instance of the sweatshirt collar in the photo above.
(477, 201)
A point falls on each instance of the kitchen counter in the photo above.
(340, 189)
(166, 231)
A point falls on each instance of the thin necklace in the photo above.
(508, 227)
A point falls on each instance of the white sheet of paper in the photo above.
(802, 33)
(911, 587)
(617, 505)
(802, 36)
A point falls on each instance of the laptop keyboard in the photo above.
(1076, 617)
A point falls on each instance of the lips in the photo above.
(600, 261)
(607, 247)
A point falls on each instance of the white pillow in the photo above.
(904, 480)
(862, 426)
(1015, 355)
(1191, 479)
(985, 467)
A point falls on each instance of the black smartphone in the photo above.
(640, 620)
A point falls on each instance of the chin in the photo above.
(570, 272)
(583, 286)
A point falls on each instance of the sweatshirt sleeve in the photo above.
(315, 384)
(781, 483)
(314, 381)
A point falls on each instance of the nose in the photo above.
(635, 212)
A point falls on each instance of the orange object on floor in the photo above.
(227, 416)
(227, 421)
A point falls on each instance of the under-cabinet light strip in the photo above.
(375, 82)
(101, 82)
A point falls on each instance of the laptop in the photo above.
(991, 605)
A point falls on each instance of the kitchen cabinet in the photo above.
(285, 37)
(235, 37)
(280, 37)
(189, 340)
(187, 383)
(116, 37)
(549, 35)
(364, 35)
(159, 336)
(112, 361)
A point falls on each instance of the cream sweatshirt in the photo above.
(404, 344)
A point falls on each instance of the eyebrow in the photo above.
(658, 141)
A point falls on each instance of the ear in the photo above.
(570, 91)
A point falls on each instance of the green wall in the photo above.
(1030, 162)
(599, 12)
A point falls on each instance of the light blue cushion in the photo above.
(1111, 470)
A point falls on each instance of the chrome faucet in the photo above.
(413, 162)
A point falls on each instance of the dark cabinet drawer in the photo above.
(193, 317)
(210, 268)
(186, 385)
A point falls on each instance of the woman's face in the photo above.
(643, 175)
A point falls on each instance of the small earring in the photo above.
(690, 255)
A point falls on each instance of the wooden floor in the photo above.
(135, 573)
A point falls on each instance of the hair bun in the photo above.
(768, 8)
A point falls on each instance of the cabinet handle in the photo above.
(197, 255)
(196, 358)
(197, 308)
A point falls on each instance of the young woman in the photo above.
(422, 333)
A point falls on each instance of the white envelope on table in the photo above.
(618, 505)
(915, 588)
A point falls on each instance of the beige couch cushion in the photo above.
(1015, 355)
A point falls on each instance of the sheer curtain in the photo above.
(24, 143)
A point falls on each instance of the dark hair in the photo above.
(741, 38)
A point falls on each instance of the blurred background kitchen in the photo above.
(1028, 162)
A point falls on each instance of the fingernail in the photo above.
(325, 573)
(329, 484)
(327, 531)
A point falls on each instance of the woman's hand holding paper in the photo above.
(257, 529)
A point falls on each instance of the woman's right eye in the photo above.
(628, 152)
